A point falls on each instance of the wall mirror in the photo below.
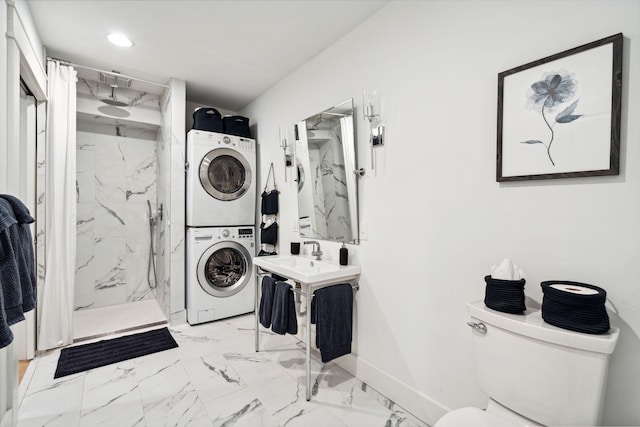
(327, 187)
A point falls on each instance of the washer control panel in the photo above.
(223, 233)
(245, 233)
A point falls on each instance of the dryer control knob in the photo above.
(225, 233)
(226, 140)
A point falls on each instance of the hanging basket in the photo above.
(270, 202)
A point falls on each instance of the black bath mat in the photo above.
(88, 356)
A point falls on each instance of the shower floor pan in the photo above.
(101, 321)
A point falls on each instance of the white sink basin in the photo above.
(307, 270)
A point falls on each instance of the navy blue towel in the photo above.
(266, 301)
(332, 312)
(17, 265)
(283, 316)
(9, 276)
(23, 246)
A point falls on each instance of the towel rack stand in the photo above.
(307, 290)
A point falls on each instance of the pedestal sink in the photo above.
(307, 270)
(312, 275)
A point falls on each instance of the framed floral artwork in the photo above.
(559, 117)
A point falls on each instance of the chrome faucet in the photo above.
(316, 252)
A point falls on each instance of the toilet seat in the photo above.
(475, 417)
(495, 415)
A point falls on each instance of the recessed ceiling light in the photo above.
(120, 40)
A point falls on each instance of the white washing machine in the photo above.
(221, 180)
(220, 273)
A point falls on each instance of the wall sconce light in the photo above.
(371, 112)
(286, 149)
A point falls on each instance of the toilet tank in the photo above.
(550, 375)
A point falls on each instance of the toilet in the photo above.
(534, 373)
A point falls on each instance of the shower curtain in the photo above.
(57, 295)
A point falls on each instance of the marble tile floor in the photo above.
(214, 378)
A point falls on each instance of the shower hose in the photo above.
(151, 266)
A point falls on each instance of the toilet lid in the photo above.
(471, 417)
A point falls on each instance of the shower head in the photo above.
(112, 110)
(113, 101)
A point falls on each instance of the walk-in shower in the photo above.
(122, 177)
(118, 213)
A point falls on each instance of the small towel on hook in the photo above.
(270, 198)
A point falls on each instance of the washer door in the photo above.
(224, 269)
(225, 174)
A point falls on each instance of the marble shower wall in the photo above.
(330, 186)
(40, 198)
(171, 161)
(317, 183)
(163, 189)
(177, 220)
(116, 175)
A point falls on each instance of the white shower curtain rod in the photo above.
(111, 73)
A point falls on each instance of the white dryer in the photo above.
(221, 180)
(220, 274)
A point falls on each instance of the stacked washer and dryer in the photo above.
(220, 220)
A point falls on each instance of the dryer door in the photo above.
(224, 269)
(225, 174)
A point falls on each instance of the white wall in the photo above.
(436, 218)
(3, 97)
(18, 57)
(175, 204)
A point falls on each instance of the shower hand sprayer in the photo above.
(153, 221)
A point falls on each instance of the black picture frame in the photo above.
(573, 99)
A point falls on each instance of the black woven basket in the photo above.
(505, 295)
(575, 312)
(208, 119)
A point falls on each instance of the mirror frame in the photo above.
(349, 151)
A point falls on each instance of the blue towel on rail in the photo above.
(283, 316)
(266, 301)
(332, 312)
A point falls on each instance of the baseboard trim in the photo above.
(414, 401)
